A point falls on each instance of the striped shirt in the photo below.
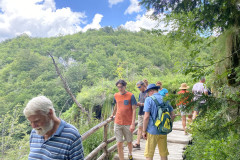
(65, 143)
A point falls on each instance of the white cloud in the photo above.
(134, 7)
(95, 23)
(144, 21)
(39, 18)
(114, 2)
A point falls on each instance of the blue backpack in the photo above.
(163, 120)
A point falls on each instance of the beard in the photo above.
(43, 130)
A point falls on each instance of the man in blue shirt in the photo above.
(51, 137)
(150, 133)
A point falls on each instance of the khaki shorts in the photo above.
(140, 120)
(152, 141)
(121, 131)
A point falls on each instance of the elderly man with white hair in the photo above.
(51, 137)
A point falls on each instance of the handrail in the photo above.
(104, 144)
(95, 128)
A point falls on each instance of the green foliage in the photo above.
(214, 137)
(207, 14)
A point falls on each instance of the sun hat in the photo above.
(152, 86)
(184, 86)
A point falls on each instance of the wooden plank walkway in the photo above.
(176, 142)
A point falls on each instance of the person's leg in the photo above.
(150, 146)
(120, 150)
(164, 158)
(195, 113)
(130, 146)
(140, 127)
(162, 146)
(129, 138)
(190, 118)
(118, 131)
(184, 123)
(139, 134)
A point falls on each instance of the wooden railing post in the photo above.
(105, 149)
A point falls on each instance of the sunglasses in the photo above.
(120, 87)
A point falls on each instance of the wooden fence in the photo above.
(104, 145)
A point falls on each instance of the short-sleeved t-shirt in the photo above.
(182, 101)
(124, 108)
(65, 143)
(163, 92)
(141, 99)
(198, 90)
(150, 106)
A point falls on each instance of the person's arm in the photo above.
(76, 150)
(145, 124)
(114, 111)
(132, 127)
(166, 92)
(172, 114)
(206, 93)
(140, 104)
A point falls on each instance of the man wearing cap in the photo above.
(150, 132)
(182, 105)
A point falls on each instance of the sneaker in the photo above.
(130, 157)
(136, 145)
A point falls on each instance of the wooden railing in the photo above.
(104, 145)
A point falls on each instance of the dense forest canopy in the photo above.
(85, 59)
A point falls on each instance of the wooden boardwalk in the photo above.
(176, 142)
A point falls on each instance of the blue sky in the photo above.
(50, 18)
(112, 16)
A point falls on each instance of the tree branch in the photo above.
(66, 87)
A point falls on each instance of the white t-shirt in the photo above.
(198, 89)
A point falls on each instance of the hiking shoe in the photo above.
(130, 157)
(136, 145)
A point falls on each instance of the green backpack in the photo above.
(163, 120)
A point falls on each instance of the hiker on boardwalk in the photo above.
(198, 90)
(150, 132)
(163, 91)
(51, 137)
(142, 96)
(182, 105)
(124, 124)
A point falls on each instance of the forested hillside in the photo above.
(91, 63)
(85, 59)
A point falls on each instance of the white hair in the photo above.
(40, 103)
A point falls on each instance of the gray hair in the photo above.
(140, 83)
(202, 79)
(40, 103)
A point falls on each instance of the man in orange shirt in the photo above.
(124, 124)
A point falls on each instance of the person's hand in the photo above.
(111, 116)
(138, 104)
(144, 134)
(132, 127)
